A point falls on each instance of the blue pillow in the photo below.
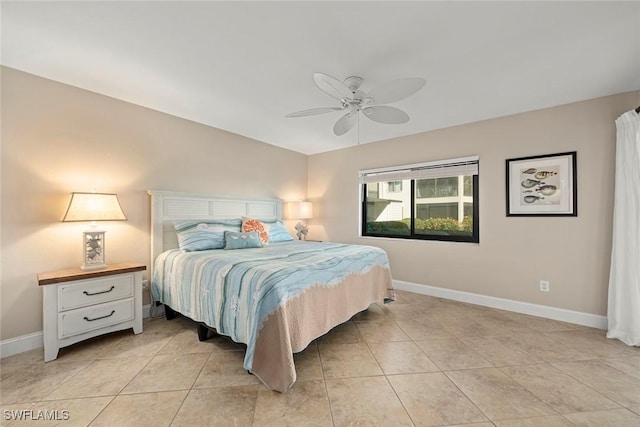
(203, 235)
(241, 240)
(278, 232)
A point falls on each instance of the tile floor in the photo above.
(421, 361)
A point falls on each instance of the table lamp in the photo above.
(93, 207)
(300, 211)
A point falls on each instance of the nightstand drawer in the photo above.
(82, 320)
(94, 291)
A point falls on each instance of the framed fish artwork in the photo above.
(542, 185)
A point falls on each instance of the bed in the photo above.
(276, 297)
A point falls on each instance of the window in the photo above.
(395, 186)
(437, 187)
(428, 201)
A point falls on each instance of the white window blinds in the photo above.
(427, 170)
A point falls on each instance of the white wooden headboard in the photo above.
(169, 206)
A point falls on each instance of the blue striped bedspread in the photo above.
(234, 291)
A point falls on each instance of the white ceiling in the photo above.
(242, 66)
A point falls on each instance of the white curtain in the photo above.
(624, 279)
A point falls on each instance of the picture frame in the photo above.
(93, 247)
(543, 185)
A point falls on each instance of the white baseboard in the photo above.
(21, 344)
(146, 311)
(576, 317)
(32, 341)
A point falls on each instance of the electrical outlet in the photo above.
(145, 284)
(545, 286)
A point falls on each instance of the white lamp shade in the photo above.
(299, 210)
(94, 207)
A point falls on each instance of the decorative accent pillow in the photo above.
(242, 240)
(203, 235)
(277, 231)
(250, 224)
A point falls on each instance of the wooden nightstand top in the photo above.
(70, 274)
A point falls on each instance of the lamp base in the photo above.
(302, 230)
(93, 250)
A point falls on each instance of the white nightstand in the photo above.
(80, 304)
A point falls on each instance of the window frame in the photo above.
(475, 234)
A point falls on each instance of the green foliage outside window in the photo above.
(442, 224)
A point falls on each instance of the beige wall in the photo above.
(514, 252)
(57, 139)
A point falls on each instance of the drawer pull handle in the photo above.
(98, 293)
(102, 317)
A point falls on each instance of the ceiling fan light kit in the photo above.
(353, 100)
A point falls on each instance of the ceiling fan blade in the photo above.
(385, 114)
(345, 123)
(314, 111)
(332, 86)
(395, 90)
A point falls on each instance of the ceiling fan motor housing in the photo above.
(358, 99)
(353, 82)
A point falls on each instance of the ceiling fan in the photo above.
(353, 100)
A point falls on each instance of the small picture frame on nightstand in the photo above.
(93, 245)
